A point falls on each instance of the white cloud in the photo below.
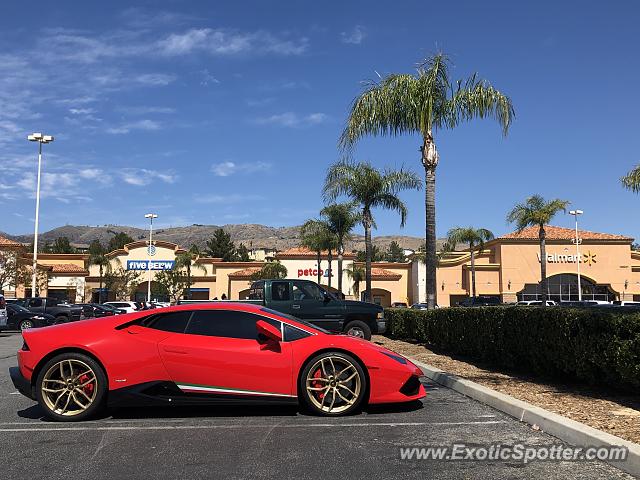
(141, 176)
(293, 120)
(226, 199)
(355, 36)
(148, 125)
(155, 79)
(227, 168)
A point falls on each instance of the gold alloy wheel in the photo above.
(69, 387)
(333, 384)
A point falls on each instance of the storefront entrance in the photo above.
(564, 288)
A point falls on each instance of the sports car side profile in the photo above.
(206, 354)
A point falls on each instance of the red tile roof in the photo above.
(5, 242)
(245, 273)
(561, 233)
(67, 268)
(305, 252)
(382, 274)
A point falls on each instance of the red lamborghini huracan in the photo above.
(203, 354)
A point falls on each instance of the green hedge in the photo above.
(593, 345)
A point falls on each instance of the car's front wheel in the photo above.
(332, 384)
(26, 323)
(71, 387)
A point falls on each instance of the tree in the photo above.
(270, 270)
(631, 180)
(42, 279)
(62, 245)
(11, 269)
(395, 253)
(122, 283)
(340, 219)
(369, 188)
(172, 283)
(187, 260)
(242, 253)
(118, 241)
(97, 256)
(421, 104)
(221, 246)
(536, 211)
(475, 237)
(356, 274)
(377, 255)
(317, 236)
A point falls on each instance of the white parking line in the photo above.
(248, 426)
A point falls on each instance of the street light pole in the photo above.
(575, 213)
(40, 138)
(150, 216)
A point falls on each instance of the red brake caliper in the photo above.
(88, 388)
(318, 374)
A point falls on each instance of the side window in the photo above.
(35, 302)
(292, 333)
(307, 291)
(256, 292)
(280, 291)
(226, 323)
(169, 322)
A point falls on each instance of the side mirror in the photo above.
(272, 333)
(327, 297)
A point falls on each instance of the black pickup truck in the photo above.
(63, 312)
(309, 301)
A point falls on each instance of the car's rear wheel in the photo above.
(358, 328)
(332, 384)
(26, 323)
(71, 387)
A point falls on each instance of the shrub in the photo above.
(592, 345)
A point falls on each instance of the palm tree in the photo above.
(356, 274)
(98, 256)
(187, 259)
(631, 180)
(369, 188)
(475, 237)
(340, 219)
(421, 104)
(316, 235)
(536, 211)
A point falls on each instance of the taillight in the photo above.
(25, 347)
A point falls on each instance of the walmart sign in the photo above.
(150, 264)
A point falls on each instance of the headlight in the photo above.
(397, 358)
(380, 315)
(38, 317)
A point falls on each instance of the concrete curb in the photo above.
(565, 429)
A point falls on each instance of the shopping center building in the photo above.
(507, 267)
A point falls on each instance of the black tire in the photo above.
(26, 323)
(62, 319)
(358, 328)
(100, 386)
(318, 402)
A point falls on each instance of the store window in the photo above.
(564, 288)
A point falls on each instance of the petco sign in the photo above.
(312, 272)
(150, 264)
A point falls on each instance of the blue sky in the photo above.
(215, 113)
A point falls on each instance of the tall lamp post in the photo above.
(150, 251)
(575, 213)
(40, 138)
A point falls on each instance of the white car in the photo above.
(128, 307)
(624, 303)
(550, 303)
(3, 313)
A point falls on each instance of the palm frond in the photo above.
(631, 180)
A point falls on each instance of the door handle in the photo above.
(295, 306)
(175, 350)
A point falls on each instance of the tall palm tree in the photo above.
(536, 211)
(341, 219)
(187, 260)
(356, 274)
(475, 237)
(631, 180)
(369, 188)
(316, 235)
(98, 256)
(421, 104)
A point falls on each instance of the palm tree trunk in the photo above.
(473, 273)
(189, 280)
(100, 291)
(367, 247)
(330, 258)
(543, 265)
(340, 253)
(430, 161)
(319, 269)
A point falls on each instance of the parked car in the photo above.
(20, 318)
(206, 354)
(420, 306)
(3, 313)
(310, 302)
(584, 303)
(116, 311)
(399, 305)
(480, 301)
(625, 303)
(535, 302)
(128, 307)
(64, 312)
(94, 310)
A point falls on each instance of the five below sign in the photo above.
(150, 264)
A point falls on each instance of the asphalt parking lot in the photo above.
(265, 442)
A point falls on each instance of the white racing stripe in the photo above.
(247, 426)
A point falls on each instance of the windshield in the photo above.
(295, 319)
(17, 308)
